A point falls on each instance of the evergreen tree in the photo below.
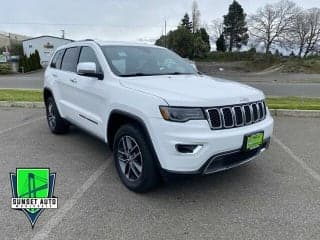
(21, 63)
(201, 48)
(186, 43)
(185, 22)
(204, 36)
(235, 28)
(201, 42)
(181, 41)
(221, 44)
(32, 62)
(26, 63)
(161, 41)
(38, 60)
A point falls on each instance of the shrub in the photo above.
(221, 44)
(5, 68)
(30, 63)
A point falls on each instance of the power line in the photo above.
(83, 25)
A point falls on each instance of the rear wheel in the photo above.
(56, 123)
(134, 159)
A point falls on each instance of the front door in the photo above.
(91, 95)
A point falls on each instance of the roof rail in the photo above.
(86, 40)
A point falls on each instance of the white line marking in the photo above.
(21, 125)
(305, 166)
(57, 218)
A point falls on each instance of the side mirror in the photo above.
(88, 69)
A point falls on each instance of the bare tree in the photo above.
(271, 22)
(195, 16)
(314, 35)
(216, 28)
(297, 36)
(304, 33)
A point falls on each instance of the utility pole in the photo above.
(165, 33)
(63, 32)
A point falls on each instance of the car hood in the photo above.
(194, 90)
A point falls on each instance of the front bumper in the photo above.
(214, 144)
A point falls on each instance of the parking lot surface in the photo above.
(33, 80)
(276, 196)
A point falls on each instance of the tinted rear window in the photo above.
(70, 59)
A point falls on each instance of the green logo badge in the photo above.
(32, 191)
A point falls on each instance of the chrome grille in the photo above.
(236, 116)
(255, 113)
(247, 114)
(215, 116)
(227, 117)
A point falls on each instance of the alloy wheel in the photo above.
(129, 157)
(51, 116)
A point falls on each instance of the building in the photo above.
(8, 39)
(46, 45)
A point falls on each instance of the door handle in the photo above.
(73, 80)
(54, 75)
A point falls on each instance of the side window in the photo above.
(70, 59)
(56, 61)
(88, 55)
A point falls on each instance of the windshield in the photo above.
(127, 61)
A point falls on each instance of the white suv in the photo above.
(156, 112)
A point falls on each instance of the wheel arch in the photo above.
(47, 93)
(118, 118)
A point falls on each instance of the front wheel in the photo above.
(134, 160)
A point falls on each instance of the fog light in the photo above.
(188, 148)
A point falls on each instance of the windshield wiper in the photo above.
(180, 73)
(175, 73)
(135, 75)
(153, 74)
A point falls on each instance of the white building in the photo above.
(46, 45)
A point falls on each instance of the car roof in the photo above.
(107, 43)
(118, 43)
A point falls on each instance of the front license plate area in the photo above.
(253, 141)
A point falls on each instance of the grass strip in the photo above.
(294, 103)
(299, 103)
(17, 95)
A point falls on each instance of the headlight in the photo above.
(181, 114)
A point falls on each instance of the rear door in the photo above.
(53, 74)
(67, 81)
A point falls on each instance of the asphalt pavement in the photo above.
(32, 80)
(276, 196)
(288, 89)
(270, 88)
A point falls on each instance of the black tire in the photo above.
(149, 176)
(56, 123)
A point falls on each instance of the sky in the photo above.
(117, 20)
